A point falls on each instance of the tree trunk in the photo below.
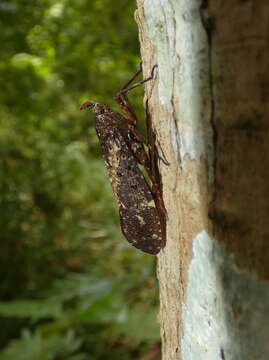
(210, 110)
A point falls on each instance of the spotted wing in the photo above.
(139, 217)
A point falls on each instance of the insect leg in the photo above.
(122, 99)
(125, 89)
(132, 78)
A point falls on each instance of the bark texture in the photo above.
(210, 109)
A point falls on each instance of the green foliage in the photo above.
(71, 288)
(33, 309)
(34, 346)
(85, 305)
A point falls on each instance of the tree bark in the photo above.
(210, 110)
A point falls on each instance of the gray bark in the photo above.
(210, 106)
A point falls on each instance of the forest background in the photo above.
(71, 287)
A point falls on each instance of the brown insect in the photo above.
(141, 208)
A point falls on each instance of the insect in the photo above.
(141, 208)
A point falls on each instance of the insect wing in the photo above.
(139, 217)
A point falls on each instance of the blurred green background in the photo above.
(71, 286)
